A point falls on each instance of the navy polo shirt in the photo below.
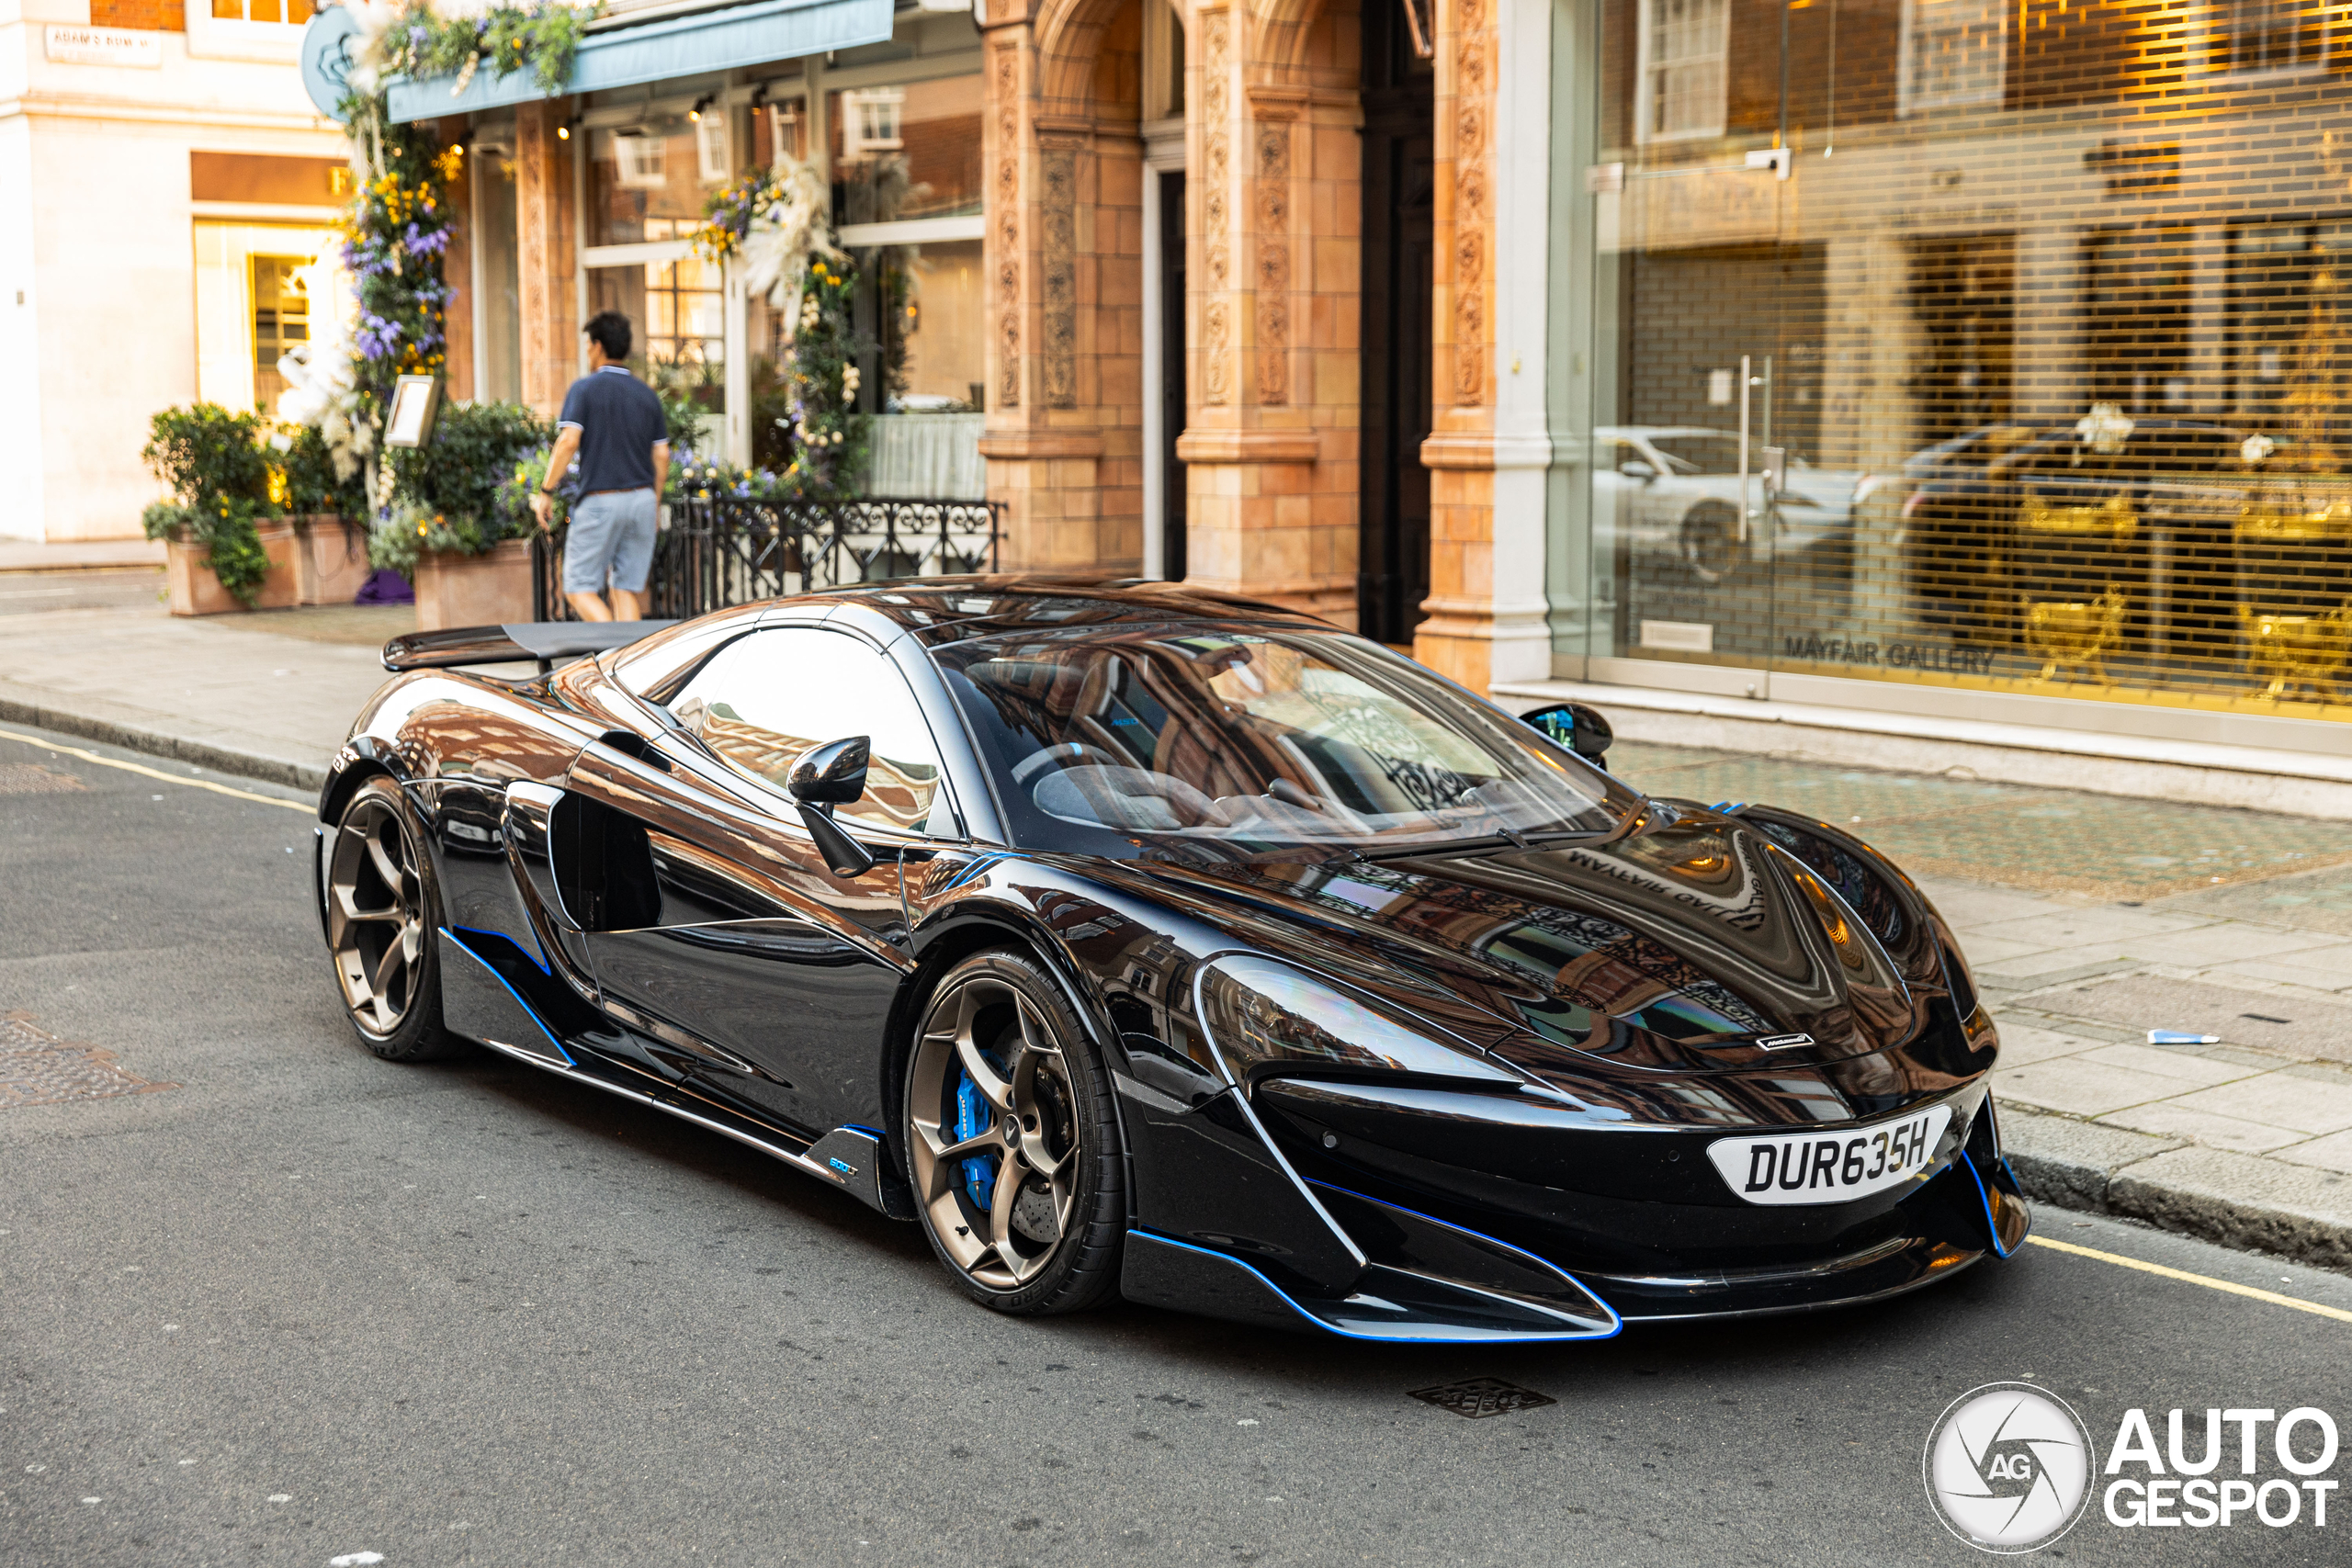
(619, 420)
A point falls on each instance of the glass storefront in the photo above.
(253, 305)
(647, 186)
(1940, 342)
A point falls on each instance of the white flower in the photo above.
(2256, 448)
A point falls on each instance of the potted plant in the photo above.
(228, 547)
(329, 516)
(452, 532)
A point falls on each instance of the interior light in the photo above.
(563, 133)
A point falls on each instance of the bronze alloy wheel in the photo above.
(1009, 1129)
(379, 901)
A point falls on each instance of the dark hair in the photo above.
(609, 330)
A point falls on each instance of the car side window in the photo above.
(765, 700)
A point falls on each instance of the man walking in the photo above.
(612, 423)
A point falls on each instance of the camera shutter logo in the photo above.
(2009, 1467)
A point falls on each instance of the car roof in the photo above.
(950, 608)
(1652, 432)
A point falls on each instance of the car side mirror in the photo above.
(1577, 726)
(833, 774)
(1636, 469)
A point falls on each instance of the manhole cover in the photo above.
(1481, 1397)
(40, 1070)
(31, 778)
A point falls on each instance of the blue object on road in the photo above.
(2180, 1037)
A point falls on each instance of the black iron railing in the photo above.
(723, 552)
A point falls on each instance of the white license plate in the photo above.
(1829, 1167)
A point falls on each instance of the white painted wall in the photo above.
(96, 226)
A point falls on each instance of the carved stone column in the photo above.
(1271, 438)
(1064, 262)
(1489, 449)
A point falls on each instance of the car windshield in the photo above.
(1114, 741)
(1700, 453)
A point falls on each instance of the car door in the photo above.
(720, 932)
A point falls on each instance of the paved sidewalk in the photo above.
(223, 692)
(2089, 920)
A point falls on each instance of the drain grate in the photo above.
(1479, 1397)
(37, 1069)
(31, 778)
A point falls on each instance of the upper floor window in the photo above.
(2269, 35)
(1685, 50)
(1955, 53)
(296, 12)
(875, 117)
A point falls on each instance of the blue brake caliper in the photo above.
(973, 1114)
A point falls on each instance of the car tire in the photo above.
(380, 908)
(1050, 1244)
(1712, 551)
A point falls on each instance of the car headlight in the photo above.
(1264, 1015)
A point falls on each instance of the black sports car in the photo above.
(1134, 939)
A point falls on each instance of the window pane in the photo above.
(764, 702)
(906, 152)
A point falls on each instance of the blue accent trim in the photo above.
(873, 1132)
(1615, 1322)
(529, 1011)
(1992, 1229)
(459, 934)
(691, 45)
(974, 871)
(1501, 1336)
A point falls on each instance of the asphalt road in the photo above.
(304, 1305)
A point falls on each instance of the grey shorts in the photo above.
(611, 536)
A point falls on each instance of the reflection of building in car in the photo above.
(897, 793)
(1672, 494)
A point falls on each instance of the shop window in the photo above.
(2269, 35)
(906, 152)
(1954, 52)
(928, 308)
(254, 283)
(649, 182)
(677, 316)
(1685, 48)
(281, 312)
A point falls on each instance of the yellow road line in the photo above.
(158, 773)
(2273, 1297)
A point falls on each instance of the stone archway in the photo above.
(1270, 433)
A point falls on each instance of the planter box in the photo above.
(474, 591)
(330, 560)
(195, 591)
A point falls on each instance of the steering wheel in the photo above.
(1029, 767)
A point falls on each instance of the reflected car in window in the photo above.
(1671, 496)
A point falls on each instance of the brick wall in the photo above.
(149, 16)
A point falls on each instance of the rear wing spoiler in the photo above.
(546, 643)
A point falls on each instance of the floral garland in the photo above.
(775, 225)
(396, 231)
(540, 39)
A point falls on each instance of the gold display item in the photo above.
(2076, 634)
(2284, 548)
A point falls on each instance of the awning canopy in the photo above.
(691, 45)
